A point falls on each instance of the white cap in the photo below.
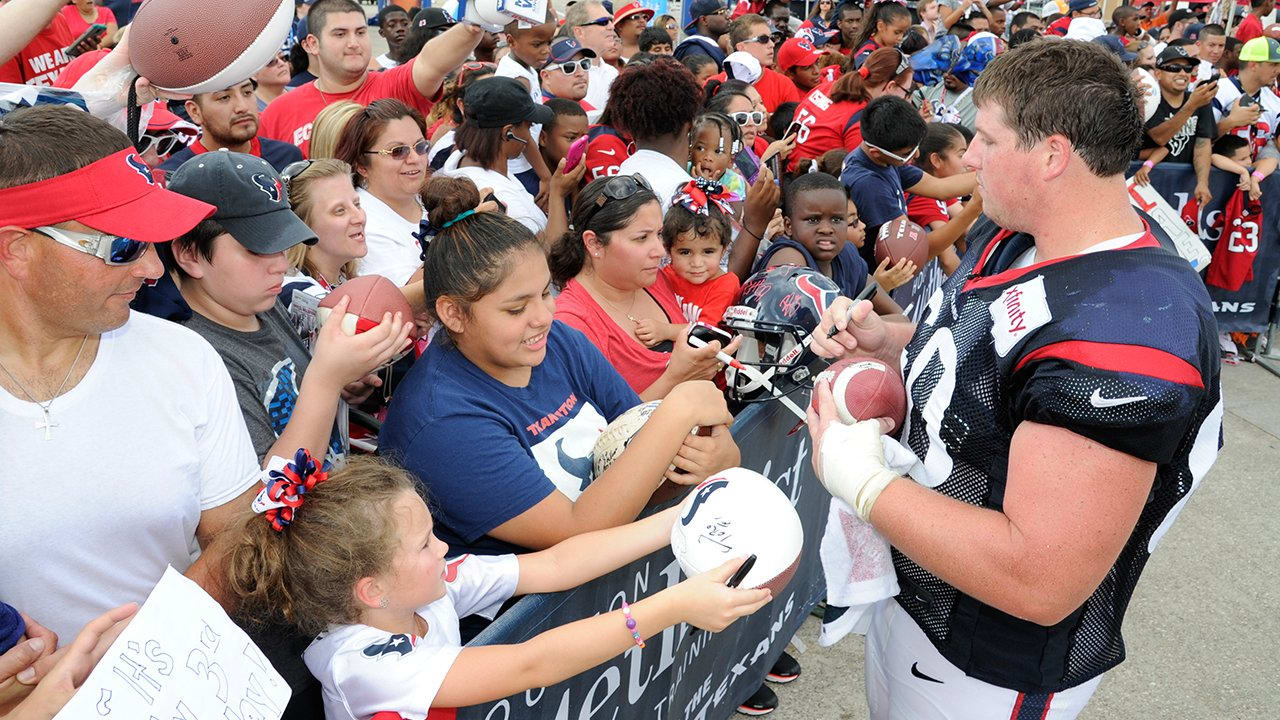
(1085, 28)
(743, 66)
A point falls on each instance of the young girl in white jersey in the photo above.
(352, 558)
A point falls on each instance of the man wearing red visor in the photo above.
(125, 447)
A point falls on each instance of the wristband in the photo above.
(1258, 175)
(853, 464)
(631, 624)
(1148, 164)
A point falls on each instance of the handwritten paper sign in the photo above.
(181, 657)
(1187, 243)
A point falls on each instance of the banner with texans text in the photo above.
(1246, 309)
(678, 674)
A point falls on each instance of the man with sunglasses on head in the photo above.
(1183, 122)
(566, 73)
(228, 120)
(592, 26)
(126, 451)
(879, 170)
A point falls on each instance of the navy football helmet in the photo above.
(775, 311)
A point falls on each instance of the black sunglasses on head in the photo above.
(618, 187)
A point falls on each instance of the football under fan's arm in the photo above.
(442, 54)
(22, 20)
(1070, 505)
(619, 494)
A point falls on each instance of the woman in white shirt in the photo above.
(385, 144)
(497, 114)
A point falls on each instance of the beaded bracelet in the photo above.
(631, 624)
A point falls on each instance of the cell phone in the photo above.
(707, 333)
(1214, 77)
(775, 167)
(792, 129)
(1246, 101)
(741, 573)
(577, 150)
(91, 35)
(491, 197)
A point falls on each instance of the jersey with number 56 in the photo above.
(1117, 345)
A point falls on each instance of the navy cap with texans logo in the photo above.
(251, 200)
(565, 49)
(1079, 5)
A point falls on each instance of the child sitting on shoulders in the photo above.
(352, 559)
(696, 232)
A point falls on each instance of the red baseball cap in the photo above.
(797, 52)
(632, 8)
(116, 194)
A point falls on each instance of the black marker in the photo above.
(734, 581)
(871, 287)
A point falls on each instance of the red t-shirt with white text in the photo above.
(43, 58)
(290, 116)
(707, 302)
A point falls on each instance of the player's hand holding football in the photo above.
(342, 359)
(861, 332)
(848, 459)
(703, 455)
(709, 604)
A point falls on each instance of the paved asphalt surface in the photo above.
(1203, 629)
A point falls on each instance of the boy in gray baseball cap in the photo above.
(230, 269)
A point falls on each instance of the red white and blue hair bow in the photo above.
(284, 486)
(696, 194)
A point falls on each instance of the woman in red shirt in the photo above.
(80, 14)
(607, 267)
(831, 117)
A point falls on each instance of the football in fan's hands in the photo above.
(618, 435)
(864, 389)
(900, 238)
(201, 46)
(371, 297)
(736, 513)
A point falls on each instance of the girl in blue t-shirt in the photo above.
(498, 418)
(815, 226)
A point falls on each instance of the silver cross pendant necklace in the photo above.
(47, 425)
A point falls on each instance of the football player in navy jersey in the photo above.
(1063, 403)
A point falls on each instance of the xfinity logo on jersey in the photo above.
(1019, 310)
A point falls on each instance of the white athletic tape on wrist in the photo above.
(853, 464)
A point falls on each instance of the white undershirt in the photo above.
(1028, 258)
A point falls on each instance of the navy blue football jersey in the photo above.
(1118, 346)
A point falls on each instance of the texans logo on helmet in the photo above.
(700, 496)
(269, 185)
(139, 167)
(821, 298)
(399, 643)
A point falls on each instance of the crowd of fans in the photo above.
(560, 204)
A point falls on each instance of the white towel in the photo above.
(856, 559)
